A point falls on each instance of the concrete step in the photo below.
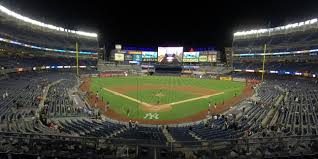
(195, 136)
(168, 135)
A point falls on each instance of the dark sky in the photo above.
(192, 24)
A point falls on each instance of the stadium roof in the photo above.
(41, 24)
(153, 23)
(276, 29)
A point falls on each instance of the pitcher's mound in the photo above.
(160, 95)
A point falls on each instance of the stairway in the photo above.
(195, 136)
(168, 135)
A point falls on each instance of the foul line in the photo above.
(197, 98)
(174, 103)
(127, 97)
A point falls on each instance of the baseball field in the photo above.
(163, 98)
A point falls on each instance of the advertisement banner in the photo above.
(134, 52)
(149, 56)
(211, 58)
(191, 57)
(226, 78)
(239, 79)
(128, 57)
(203, 58)
(119, 57)
(137, 57)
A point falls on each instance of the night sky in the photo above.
(190, 24)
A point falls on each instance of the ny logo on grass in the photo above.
(151, 116)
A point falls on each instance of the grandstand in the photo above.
(290, 49)
(47, 110)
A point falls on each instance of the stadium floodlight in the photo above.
(295, 25)
(288, 26)
(86, 33)
(307, 22)
(279, 28)
(38, 23)
(312, 21)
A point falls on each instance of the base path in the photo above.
(143, 105)
(127, 97)
(197, 98)
(163, 107)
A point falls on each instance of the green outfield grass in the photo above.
(123, 105)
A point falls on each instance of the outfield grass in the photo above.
(121, 105)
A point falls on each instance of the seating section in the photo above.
(92, 128)
(181, 134)
(150, 135)
(28, 61)
(287, 103)
(279, 66)
(297, 114)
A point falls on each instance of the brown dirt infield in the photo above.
(220, 108)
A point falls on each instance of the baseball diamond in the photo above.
(171, 98)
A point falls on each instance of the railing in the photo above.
(57, 145)
(245, 140)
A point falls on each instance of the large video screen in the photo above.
(170, 54)
(119, 57)
(149, 56)
(191, 56)
(128, 57)
(137, 57)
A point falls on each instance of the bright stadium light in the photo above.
(38, 23)
(312, 21)
(279, 28)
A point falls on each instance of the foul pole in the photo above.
(264, 57)
(77, 69)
